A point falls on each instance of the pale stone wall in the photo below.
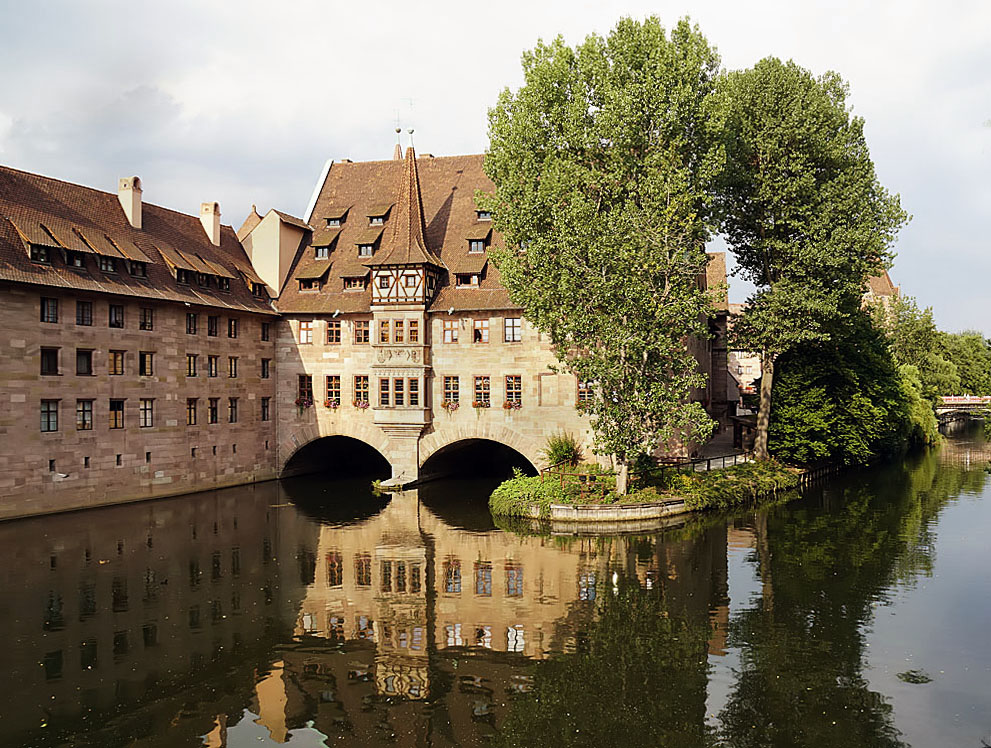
(407, 437)
(134, 462)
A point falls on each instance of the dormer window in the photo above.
(354, 284)
(376, 220)
(108, 264)
(309, 284)
(74, 259)
(202, 279)
(183, 276)
(139, 269)
(467, 279)
(333, 223)
(483, 215)
(224, 284)
(476, 246)
(39, 253)
(378, 213)
(366, 250)
(321, 253)
(258, 290)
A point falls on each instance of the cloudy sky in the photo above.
(243, 102)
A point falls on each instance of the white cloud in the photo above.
(243, 102)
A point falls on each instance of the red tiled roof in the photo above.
(447, 189)
(74, 213)
(292, 220)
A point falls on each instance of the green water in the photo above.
(312, 613)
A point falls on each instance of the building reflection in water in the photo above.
(229, 613)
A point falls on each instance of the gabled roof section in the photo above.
(292, 220)
(405, 243)
(253, 219)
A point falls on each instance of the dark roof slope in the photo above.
(447, 192)
(166, 236)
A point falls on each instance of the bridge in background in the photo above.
(959, 407)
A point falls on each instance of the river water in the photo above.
(313, 613)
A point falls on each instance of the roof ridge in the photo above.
(4, 167)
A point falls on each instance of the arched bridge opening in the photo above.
(466, 472)
(338, 456)
(330, 479)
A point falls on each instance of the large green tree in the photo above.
(969, 353)
(600, 162)
(800, 206)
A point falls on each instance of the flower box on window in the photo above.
(333, 403)
(512, 405)
(361, 404)
(480, 404)
(449, 405)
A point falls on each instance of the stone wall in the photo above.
(70, 468)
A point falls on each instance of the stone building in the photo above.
(150, 353)
(137, 347)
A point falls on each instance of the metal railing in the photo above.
(705, 464)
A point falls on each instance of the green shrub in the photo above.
(515, 496)
(563, 449)
(735, 486)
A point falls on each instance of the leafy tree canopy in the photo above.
(601, 162)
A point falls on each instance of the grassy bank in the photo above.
(720, 489)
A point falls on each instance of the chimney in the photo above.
(129, 194)
(210, 218)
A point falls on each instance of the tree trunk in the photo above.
(764, 412)
(622, 476)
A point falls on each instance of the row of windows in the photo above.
(408, 331)
(40, 253)
(403, 576)
(146, 318)
(50, 410)
(403, 391)
(146, 364)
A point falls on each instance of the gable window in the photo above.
(376, 220)
(49, 361)
(49, 415)
(147, 321)
(202, 279)
(480, 331)
(512, 329)
(366, 250)
(362, 331)
(116, 318)
(306, 332)
(212, 326)
(84, 313)
(258, 291)
(476, 246)
(466, 279)
(450, 331)
(49, 309)
(108, 264)
(333, 332)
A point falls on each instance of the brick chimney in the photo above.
(210, 218)
(129, 194)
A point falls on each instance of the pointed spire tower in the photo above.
(405, 270)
